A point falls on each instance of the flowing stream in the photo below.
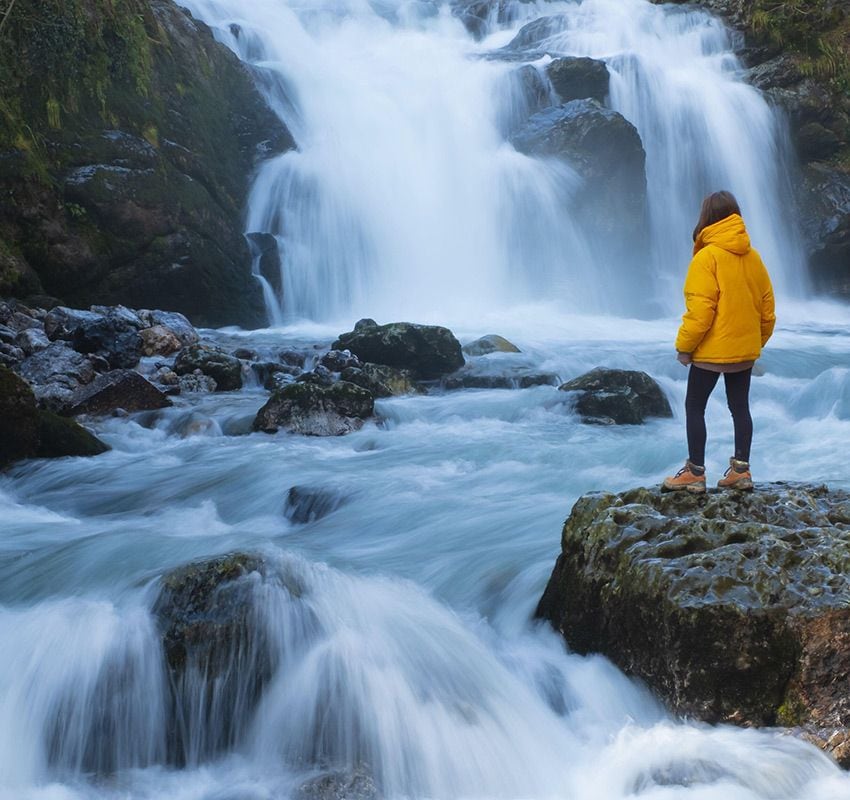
(408, 649)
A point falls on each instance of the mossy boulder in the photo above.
(128, 137)
(314, 409)
(29, 432)
(381, 380)
(734, 607)
(491, 343)
(224, 369)
(428, 351)
(617, 397)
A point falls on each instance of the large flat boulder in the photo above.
(733, 607)
(119, 388)
(428, 351)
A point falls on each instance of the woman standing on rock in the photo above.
(729, 318)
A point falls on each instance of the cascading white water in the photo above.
(404, 197)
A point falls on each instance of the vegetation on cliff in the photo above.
(127, 140)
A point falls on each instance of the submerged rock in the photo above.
(313, 409)
(520, 378)
(618, 397)
(428, 351)
(307, 503)
(734, 607)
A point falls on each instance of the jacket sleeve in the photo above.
(701, 293)
(768, 309)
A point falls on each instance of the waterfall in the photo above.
(405, 198)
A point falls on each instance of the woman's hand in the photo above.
(684, 358)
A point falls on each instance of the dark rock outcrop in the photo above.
(224, 369)
(128, 136)
(55, 373)
(606, 151)
(576, 78)
(617, 396)
(428, 351)
(120, 388)
(29, 432)
(735, 607)
(314, 409)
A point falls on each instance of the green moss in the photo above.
(58, 436)
(792, 712)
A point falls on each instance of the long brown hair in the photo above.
(715, 207)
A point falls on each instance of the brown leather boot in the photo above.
(689, 478)
(737, 477)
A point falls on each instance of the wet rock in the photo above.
(216, 651)
(55, 373)
(159, 341)
(20, 321)
(212, 361)
(18, 419)
(175, 322)
(734, 607)
(356, 785)
(32, 340)
(245, 354)
(618, 396)
(267, 373)
(113, 335)
(382, 381)
(478, 16)
(605, 149)
(825, 222)
(61, 322)
(531, 40)
(428, 351)
(576, 78)
(28, 432)
(197, 383)
(7, 335)
(315, 410)
(320, 376)
(473, 378)
(10, 356)
(307, 503)
(121, 388)
(265, 252)
(292, 358)
(338, 360)
(491, 343)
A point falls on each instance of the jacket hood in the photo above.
(729, 233)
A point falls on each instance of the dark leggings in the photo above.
(701, 383)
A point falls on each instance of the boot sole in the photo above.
(741, 486)
(692, 489)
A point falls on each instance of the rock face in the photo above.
(735, 607)
(29, 432)
(617, 396)
(428, 351)
(314, 409)
(216, 653)
(127, 141)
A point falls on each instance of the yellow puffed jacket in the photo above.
(729, 299)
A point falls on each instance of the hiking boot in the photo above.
(689, 478)
(737, 476)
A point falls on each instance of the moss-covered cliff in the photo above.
(127, 140)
